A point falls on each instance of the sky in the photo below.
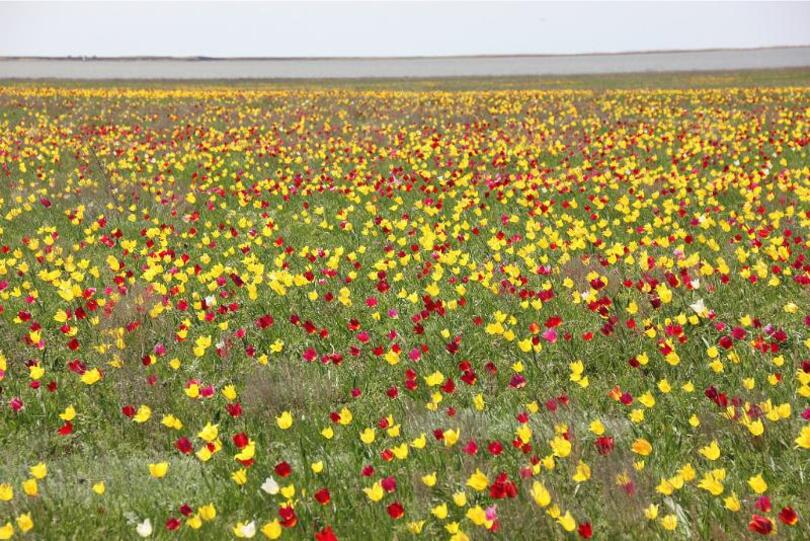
(335, 29)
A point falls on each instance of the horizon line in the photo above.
(205, 58)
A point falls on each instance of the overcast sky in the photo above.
(305, 29)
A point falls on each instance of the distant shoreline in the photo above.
(97, 68)
(203, 58)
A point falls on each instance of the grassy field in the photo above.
(462, 309)
(662, 80)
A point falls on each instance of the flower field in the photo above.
(345, 313)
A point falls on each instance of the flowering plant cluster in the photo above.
(309, 313)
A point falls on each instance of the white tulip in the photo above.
(248, 530)
(698, 307)
(144, 529)
(270, 486)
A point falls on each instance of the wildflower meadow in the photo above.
(432, 312)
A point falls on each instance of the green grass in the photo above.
(699, 79)
(560, 134)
